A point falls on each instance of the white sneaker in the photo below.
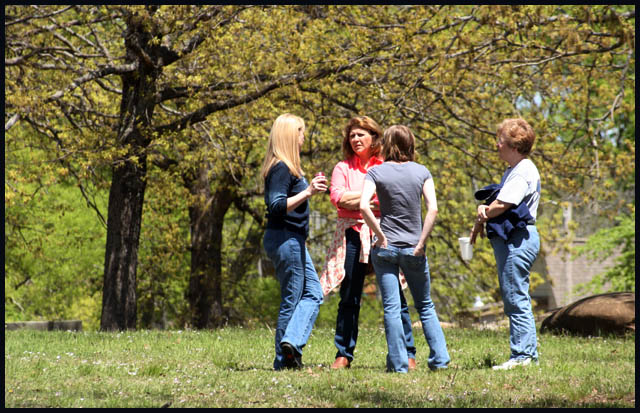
(512, 363)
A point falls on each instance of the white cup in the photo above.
(466, 249)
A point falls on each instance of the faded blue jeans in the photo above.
(387, 263)
(300, 290)
(514, 258)
(351, 297)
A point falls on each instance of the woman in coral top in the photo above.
(348, 254)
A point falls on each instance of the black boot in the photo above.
(292, 360)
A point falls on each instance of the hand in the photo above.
(381, 242)
(419, 251)
(478, 229)
(482, 213)
(318, 184)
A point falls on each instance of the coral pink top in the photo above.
(349, 176)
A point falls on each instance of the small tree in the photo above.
(606, 242)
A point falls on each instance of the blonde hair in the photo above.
(518, 134)
(283, 144)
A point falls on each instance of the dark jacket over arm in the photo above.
(517, 216)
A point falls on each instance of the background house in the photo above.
(564, 273)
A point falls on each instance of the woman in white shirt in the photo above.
(515, 256)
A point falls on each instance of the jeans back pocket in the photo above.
(415, 263)
(385, 254)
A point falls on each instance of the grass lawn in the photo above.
(231, 367)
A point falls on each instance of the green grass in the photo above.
(231, 367)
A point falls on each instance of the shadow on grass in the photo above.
(560, 402)
(314, 367)
(385, 398)
(245, 367)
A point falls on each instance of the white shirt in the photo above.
(521, 183)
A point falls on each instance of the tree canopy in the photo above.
(168, 109)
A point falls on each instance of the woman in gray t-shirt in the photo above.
(400, 183)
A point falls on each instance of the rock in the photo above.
(610, 313)
(72, 325)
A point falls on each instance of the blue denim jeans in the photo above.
(350, 298)
(387, 262)
(514, 258)
(300, 290)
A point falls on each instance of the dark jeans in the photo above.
(350, 298)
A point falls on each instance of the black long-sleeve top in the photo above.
(281, 184)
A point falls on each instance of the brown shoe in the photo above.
(412, 364)
(341, 363)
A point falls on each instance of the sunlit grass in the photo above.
(231, 367)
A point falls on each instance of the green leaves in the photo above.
(217, 76)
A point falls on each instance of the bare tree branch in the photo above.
(96, 74)
(202, 113)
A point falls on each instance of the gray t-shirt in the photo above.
(399, 190)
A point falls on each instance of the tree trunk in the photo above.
(207, 220)
(128, 183)
(123, 233)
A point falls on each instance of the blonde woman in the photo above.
(287, 194)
